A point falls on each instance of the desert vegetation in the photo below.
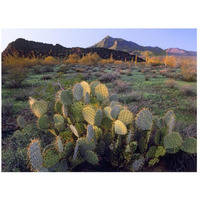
(84, 113)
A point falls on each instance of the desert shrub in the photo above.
(170, 61)
(46, 77)
(130, 97)
(98, 74)
(163, 71)
(23, 95)
(72, 59)
(189, 70)
(147, 77)
(46, 69)
(121, 86)
(90, 59)
(16, 77)
(7, 109)
(188, 89)
(50, 60)
(129, 72)
(89, 126)
(80, 70)
(122, 72)
(156, 61)
(109, 77)
(170, 83)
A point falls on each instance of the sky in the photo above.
(165, 38)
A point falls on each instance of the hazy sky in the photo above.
(164, 38)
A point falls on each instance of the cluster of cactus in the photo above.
(91, 126)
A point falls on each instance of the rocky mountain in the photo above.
(134, 48)
(22, 47)
(180, 52)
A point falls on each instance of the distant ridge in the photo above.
(26, 48)
(120, 44)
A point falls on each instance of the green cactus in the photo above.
(157, 122)
(120, 128)
(87, 98)
(66, 97)
(91, 157)
(126, 117)
(172, 142)
(93, 85)
(107, 112)
(58, 144)
(153, 161)
(76, 110)
(106, 123)
(74, 130)
(90, 133)
(84, 145)
(39, 108)
(168, 116)
(58, 107)
(35, 156)
(171, 124)
(86, 88)
(98, 117)
(63, 166)
(101, 146)
(43, 122)
(64, 111)
(66, 135)
(101, 92)
(50, 158)
(133, 146)
(115, 112)
(144, 119)
(89, 114)
(151, 152)
(58, 119)
(98, 132)
(78, 91)
(143, 144)
(138, 164)
(67, 150)
(31, 101)
(21, 122)
(189, 145)
(59, 126)
(113, 97)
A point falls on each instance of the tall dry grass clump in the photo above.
(170, 61)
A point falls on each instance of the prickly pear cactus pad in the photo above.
(173, 140)
(43, 122)
(168, 116)
(101, 92)
(39, 108)
(66, 97)
(120, 128)
(89, 114)
(21, 122)
(189, 145)
(86, 87)
(93, 85)
(126, 116)
(98, 117)
(34, 154)
(78, 91)
(144, 119)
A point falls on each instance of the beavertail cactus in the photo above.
(101, 92)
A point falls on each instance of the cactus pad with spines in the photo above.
(90, 133)
(73, 129)
(86, 87)
(66, 135)
(31, 101)
(84, 145)
(58, 144)
(168, 116)
(115, 112)
(171, 124)
(21, 122)
(58, 119)
(107, 112)
(87, 98)
(50, 158)
(138, 164)
(76, 110)
(68, 148)
(34, 154)
(120, 128)
(78, 91)
(39, 108)
(93, 85)
(101, 92)
(59, 126)
(66, 97)
(98, 117)
(43, 122)
(64, 111)
(89, 114)
(189, 145)
(172, 141)
(97, 132)
(113, 97)
(58, 107)
(144, 119)
(157, 122)
(126, 117)
(91, 157)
